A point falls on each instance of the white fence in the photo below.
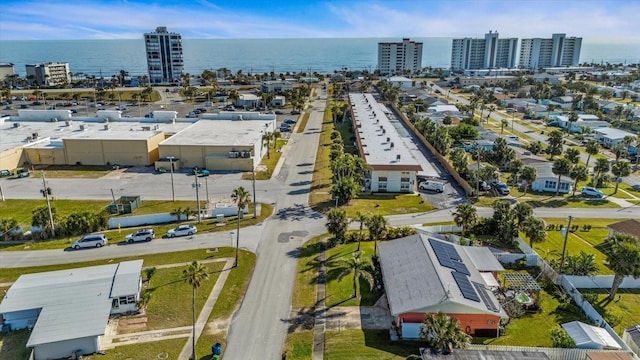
(552, 353)
(602, 282)
(150, 219)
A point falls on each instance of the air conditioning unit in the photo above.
(16, 125)
(398, 157)
(82, 128)
(34, 135)
(146, 128)
(391, 145)
(107, 126)
(388, 139)
(68, 123)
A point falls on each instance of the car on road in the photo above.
(636, 187)
(5, 173)
(182, 230)
(278, 112)
(22, 173)
(483, 185)
(589, 191)
(90, 241)
(140, 235)
(501, 188)
(295, 112)
(289, 121)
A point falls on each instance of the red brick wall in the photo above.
(468, 322)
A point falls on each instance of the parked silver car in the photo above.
(140, 235)
(90, 241)
(182, 230)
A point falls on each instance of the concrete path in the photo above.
(320, 315)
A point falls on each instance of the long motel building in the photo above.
(392, 167)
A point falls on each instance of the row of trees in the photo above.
(76, 223)
(347, 171)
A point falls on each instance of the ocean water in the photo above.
(108, 57)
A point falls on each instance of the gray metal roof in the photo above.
(463, 354)
(613, 133)
(586, 336)
(127, 278)
(414, 279)
(382, 145)
(482, 258)
(74, 303)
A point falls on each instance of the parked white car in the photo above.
(140, 235)
(182, 230)
(432, 186)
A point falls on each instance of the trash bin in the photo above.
(216, 349)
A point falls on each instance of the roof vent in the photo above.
(16, 125)
(107, 126)
(82, 128)
(68, 122)
(398, 157)
(381, 127)
(391, 145)
(388, 139)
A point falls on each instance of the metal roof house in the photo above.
(422, 275)
(547, 181)
(68, 310)
(590, 337)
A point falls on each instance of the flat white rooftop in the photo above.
(381, 145)
(222, 133)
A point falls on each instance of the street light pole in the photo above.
(564, 246)
(46, 195)
(253, 183)
(173, 189)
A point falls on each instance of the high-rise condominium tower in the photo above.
(165, 61)
(558, 51)
(488, 53)
(399, 57)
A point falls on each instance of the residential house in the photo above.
(631, 337)
(68, 310)
(276, 86)
(278, 101)
(540, 77)
(589, 120)
(401, 82)
(609, 137)
(424, 275)
(628, 227)
(564, 101)
(547, 181)
(246, 101)
(590, 337)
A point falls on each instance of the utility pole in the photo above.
(46, 195)
(253, 183)
(197, 186)
(173, 189)
(564, 246)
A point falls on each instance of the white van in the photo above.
(432, 185)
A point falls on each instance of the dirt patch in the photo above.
(132, 324)
(218, 326)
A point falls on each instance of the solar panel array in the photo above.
(465, 286)
(484, 294)
(448, 256)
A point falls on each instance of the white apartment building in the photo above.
(399, 57)
(6, 69)
(557, 51)
(48, 74)
(165, 61)
(488, 53)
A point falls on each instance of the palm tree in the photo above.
(358, 269)
(623, 257)
(362, 219)
(601, 167)
(337, 223)
(194, 275)
(529, 175)
(578, 173)
(592, 148)
(573, 155)
(534, 229)
(561, 166)
(620, 169)
(466, 216)
(267, 138)
(377, 225)
(148, 273)
(504, 123)
(442, 331)
(242, 199)
(573, 117)
(521, 212)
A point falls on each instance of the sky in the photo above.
(616, 20)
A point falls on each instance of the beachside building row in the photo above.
(491, 52)
(48, 74)
(392, 167)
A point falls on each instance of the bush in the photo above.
(612, 317)
(586, 227)
(561, 339)
(551, 227)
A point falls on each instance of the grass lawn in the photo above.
(303, 122)
(116, 236)
(269, 162)
(387, 205)
(164, 349)
(320, 196)
(339, 293)
(299, 345)
(519, 331)
(170, 304)
(72, 171)
(626, 305)
(21, 209)
(304, 291)
(577, 241)
(440, 223)
(13, 345)
(12, 274)
(366, 344)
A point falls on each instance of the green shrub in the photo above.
(561, 339)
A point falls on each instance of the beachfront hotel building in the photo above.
(392, 167)
(6, 70)
(399, 57)
(488, 53)
(557, 51)
(48, 74)
(165, 62)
